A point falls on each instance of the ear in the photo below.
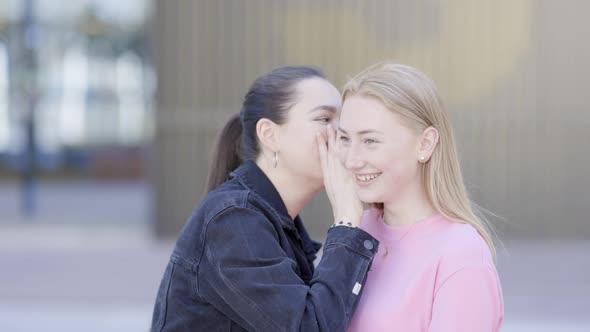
(268, 134)
(428, 141)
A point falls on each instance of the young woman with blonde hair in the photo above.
(434, 269)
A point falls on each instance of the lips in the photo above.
(366, 178)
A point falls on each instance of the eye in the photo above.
(370, 141)
(343, 139)
(324, 119)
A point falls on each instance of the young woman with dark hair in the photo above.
(244, 261)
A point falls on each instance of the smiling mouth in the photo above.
(366, 178)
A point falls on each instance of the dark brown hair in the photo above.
(270, 97)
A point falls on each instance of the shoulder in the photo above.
(460, 246)
(465, 263)
(227, 199)
(227, 196)
(229, 212)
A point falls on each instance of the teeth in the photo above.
(367, 177)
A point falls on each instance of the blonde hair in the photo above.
(413, 95)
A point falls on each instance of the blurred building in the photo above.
(76, 84)
(514, 75)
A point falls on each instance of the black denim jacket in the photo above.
(242, 264)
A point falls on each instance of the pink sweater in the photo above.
(435, 275)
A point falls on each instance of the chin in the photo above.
(367, 198)
(372, 195)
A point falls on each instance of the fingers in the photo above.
(333, 149)
(331, 133)
(323, 151)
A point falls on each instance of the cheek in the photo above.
(305, 140)
(297, 137)
(301, 149)
(399, 168)
(342, 152)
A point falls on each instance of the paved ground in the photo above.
(88, 262)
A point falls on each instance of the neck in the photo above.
(292, 192)
(409, 208)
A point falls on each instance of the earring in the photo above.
(276, 159)
(422, 159)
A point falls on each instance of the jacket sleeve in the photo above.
(245, 273)
(468, 300)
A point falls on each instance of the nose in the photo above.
(352, 160)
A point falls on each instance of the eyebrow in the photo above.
(362, 132)
(332, 109)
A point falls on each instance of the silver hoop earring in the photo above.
(276, 159)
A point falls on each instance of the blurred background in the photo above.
(109, 109)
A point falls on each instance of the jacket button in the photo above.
(368, 244)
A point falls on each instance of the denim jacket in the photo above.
(241, 263)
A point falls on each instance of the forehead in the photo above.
(363, 113)
(313, 92)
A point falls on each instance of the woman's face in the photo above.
(317, 103)
(378, 148)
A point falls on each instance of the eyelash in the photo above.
(368, 141)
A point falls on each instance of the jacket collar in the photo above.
(254, 178)
(251, 176)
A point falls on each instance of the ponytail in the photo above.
(228, 153)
